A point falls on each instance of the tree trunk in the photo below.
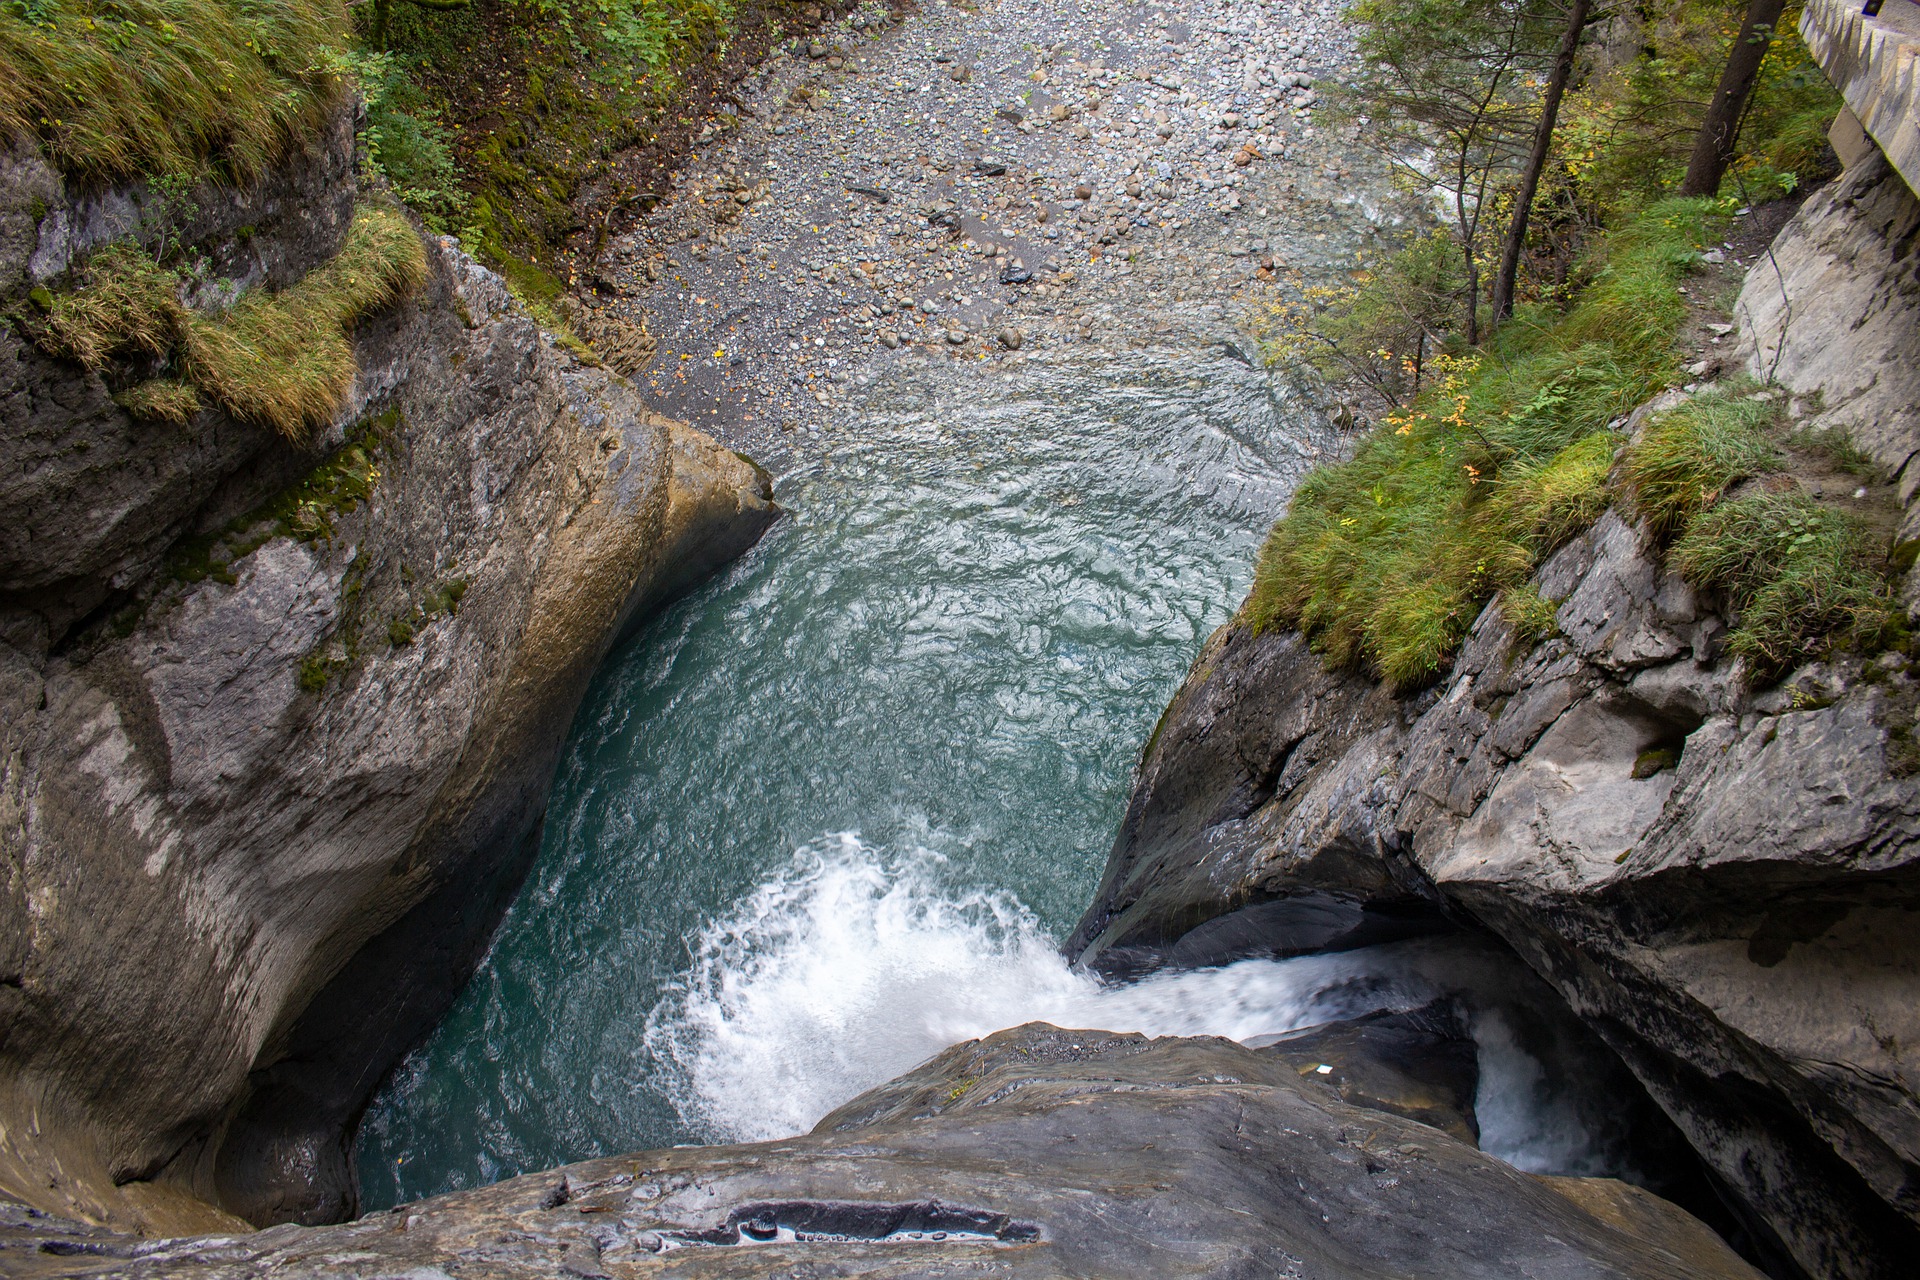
(1537, 159)
(1473, 300)
(1713, 145)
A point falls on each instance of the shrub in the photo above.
(1385, 561)
(1795, 573)
(284, 359)
(158, 86)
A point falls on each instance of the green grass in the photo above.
(113, 88)
(1385, 561)
(1797, 575)
(1531, 615)
(284, 359)
(1688, 457)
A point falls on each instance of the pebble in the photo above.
(782, 239)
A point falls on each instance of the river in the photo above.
(830, 812)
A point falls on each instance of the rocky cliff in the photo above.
(1721, 879)
(279, 717)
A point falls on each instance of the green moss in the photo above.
(168, 86)
(1648, 763)
(305, 510)
(315, 670)
(283, 359)
(442, 601)
(546, 300)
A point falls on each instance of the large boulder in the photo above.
(1036, 1152)
(278, 721)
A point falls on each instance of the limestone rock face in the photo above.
(1837, 311)
(93, 497)
(1721, 881)
(1736, 926)
(1036, 1152)
(277, 724)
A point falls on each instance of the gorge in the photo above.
(405, 826)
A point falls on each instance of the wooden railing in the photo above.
(1872, 55)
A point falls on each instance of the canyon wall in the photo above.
(277, 720)
(1721, 879)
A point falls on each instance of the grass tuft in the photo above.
(284, 359)
(1532, 616)
(1385, 561)
(1795, 572)
(1690, 455)
(112, 88)
(160, 400)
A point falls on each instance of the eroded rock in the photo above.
(279, 722)
(1732, 925)
(1035, 1152)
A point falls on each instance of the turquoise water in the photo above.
(813, 802)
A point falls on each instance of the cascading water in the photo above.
(848, 967)
(954, 646)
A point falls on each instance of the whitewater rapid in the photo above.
(852, 965)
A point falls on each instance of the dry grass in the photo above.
(284, 359)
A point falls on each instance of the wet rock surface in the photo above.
(1035, 1152)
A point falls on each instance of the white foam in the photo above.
(1523, 1118)
(845, 970)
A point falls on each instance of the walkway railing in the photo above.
(1872, 55)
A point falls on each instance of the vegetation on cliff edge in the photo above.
(114, 90)
(1493, 449)
(1384, 561)
(284, 359)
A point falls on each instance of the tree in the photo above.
(1713, 145)
(1578, 13)
(1445, 84)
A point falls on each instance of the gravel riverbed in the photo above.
(951, 192)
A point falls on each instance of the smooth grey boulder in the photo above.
(278, 723)
(1037, 1152)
